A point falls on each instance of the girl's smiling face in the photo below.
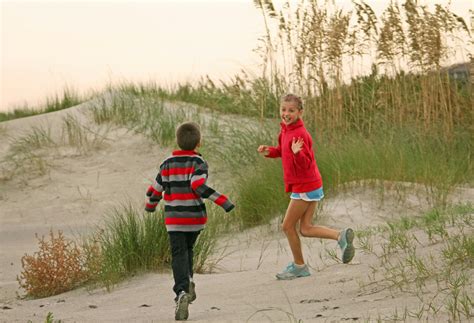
(290, 112)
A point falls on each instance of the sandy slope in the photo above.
(80, 188)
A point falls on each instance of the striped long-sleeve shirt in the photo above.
(181, 183)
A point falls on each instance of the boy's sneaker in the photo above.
(345, 242)
(182, 303)
(192, 291)
(292, 272)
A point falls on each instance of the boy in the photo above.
(181, 182)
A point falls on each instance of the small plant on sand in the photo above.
(80, 136)
(27, 154)
(56, 268)
(50, 318)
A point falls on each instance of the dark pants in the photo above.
(182, 244)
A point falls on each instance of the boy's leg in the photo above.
(179, 261)
(307, 228)
(296, 209)
(191, 238)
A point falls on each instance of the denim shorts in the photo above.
(316, 195)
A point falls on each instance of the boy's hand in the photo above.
(228, 205)
(263, 149)
(230, 208)
(150, 206)
(297, 145)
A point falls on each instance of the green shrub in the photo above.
(260, 193)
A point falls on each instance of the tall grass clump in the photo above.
(132, 241)
(398, 154)
(68, 98)
(260, 193)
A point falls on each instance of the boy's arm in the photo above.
(154, 194)
(198, 184)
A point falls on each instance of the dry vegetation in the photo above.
(58, 266)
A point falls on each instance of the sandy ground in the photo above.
(81, 188)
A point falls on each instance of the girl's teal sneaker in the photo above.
(345, 242)
(292, 271)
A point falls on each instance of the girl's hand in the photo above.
(263, 149)
(297, 145)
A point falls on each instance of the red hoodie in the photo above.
(300, 171)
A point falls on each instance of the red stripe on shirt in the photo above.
(177, 171)
(152, 190)
(221, 200)
(186, 221)
(198, 183)
(180, 196)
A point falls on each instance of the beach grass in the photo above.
(33, 153)
(439, 278)
(68, 98)
(132, 241)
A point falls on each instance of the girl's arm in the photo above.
(303, 156)
(271, 152)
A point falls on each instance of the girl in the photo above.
(302, 178)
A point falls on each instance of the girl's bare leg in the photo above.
(307, 228)
(296, 210)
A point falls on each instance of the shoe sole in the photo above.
(292, 277)
(350, 250)
(192, 292)
(182, 312)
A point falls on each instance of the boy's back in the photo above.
(181, 182)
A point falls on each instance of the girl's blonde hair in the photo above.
(292, 98)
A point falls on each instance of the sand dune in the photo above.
(79, 188)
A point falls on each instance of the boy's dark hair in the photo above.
(188, 135)
(293, 98)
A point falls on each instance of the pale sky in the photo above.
(47, 45)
